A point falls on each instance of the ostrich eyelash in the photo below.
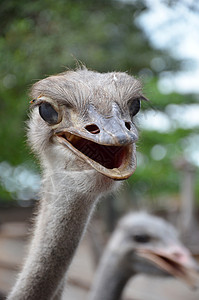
(32, 101)
(38, 101)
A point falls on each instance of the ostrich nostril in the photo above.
(128, 125)
(92, 128)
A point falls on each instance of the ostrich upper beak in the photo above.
(174, 260)
(105, 143)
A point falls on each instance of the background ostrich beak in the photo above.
(176, 261)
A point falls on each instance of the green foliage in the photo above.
(153, 176)
(159, 101)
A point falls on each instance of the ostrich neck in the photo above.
(111, 277)
(66, 205)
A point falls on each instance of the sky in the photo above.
(176, 29)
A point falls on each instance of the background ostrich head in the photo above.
(151, 245)
(85, 119)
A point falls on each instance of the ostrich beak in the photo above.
(174, 260)
(107, 144)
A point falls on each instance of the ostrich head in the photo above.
(150, 245)
(85, 120)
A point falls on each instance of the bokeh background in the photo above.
(157, 41)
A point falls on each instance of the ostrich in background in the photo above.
(141, 243)
(82, 129)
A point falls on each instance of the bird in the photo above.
(141, 243)
(82, 130)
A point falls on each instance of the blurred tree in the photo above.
(39, 38)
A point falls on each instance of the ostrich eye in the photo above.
(142, 238)
(134, 107)
(48, 113)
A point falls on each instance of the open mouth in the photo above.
(171, 266)
(108, 156)
(112, 161)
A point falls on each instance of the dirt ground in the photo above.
(12, 251)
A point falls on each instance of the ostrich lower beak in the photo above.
(178, 264)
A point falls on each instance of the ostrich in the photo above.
(82, 129)
(141, 243)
